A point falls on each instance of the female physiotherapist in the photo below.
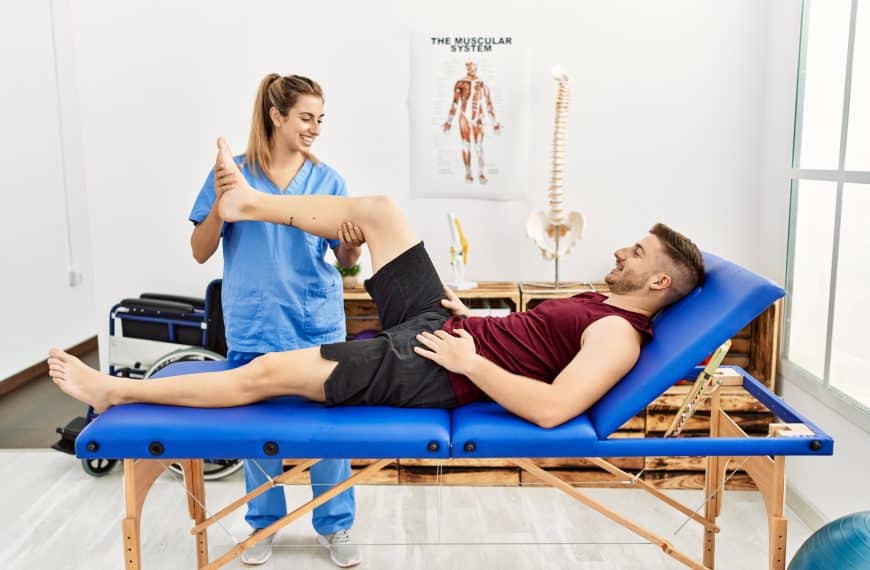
(278, 292)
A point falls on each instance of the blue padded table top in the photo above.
(295, 428)
(299, 428)
(486, 430)
(303, 429)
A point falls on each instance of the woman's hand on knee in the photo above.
(351, 234)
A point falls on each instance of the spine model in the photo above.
(556, 231)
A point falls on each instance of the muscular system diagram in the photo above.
(470, 94)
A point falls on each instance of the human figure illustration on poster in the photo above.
(473, 101)
(468, 100)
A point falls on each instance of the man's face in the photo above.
(635, 264)
(471, 67)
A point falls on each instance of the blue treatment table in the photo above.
(150, 437)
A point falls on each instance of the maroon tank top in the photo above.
(538, 343)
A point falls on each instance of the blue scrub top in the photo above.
(278, 293)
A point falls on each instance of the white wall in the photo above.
(665, 122)
(44, 229)
(681, 112)
(828, 487)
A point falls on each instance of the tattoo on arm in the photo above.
(290, 223)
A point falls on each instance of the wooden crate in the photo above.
(492, 472)
(362, 314)
(743, 408)
(582, 472)
(387, 476)
(535, 293)
(695, 480)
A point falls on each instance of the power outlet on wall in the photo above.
(75, 278)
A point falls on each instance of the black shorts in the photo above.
(385, 370)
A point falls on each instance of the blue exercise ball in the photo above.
(843, 544)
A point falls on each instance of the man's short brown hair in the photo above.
(686, 258)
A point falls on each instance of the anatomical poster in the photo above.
(468, 99)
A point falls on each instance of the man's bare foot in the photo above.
(225, 158)
(235, 195)
(79, 380)
(483, 179)
(469, 178)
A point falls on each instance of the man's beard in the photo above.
(623, 283)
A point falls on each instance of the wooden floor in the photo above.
(60, 517)
(30, 414)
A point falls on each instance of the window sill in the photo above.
(840, 403)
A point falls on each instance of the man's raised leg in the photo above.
(292, 373)
(386, 229)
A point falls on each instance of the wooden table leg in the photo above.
(195, 485)
(139, 476)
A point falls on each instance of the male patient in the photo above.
(546, 365)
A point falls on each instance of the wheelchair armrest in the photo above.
(173, 306)
(197, 302)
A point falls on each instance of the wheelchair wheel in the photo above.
(212, 468)
(98, 467)
(181, 355)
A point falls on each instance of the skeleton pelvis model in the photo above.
(555, 232)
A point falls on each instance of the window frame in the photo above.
(821, 388)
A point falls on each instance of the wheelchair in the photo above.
(148, 333)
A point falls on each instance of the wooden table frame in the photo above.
(767, 472)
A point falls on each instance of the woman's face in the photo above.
(301, 126)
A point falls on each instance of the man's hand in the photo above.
(455, 353)
(446, 126)
(351, 234)
(452, 302)
(497, 128)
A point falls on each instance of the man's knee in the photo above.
(270, 375)
(377, 210)
(260, 370)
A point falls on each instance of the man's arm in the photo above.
(609, 349)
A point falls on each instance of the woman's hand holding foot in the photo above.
(236, 198)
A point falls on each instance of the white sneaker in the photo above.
(260, 552)
(342, 551)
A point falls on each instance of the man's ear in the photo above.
(275, 115)
(660, 282)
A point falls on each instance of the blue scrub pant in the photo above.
(332, 516)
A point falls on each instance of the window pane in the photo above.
(858, 145)
(823, 81)
(811, 274)
(849, 358)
